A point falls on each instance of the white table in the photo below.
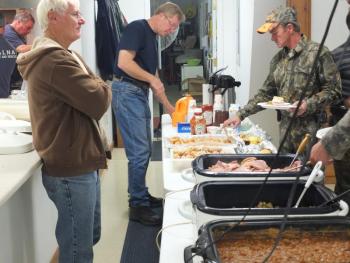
(178, 228)
(172, 178)
(178, 231)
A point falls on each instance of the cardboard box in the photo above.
(193, 84)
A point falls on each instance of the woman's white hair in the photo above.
(45, 6)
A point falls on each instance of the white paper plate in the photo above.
(15, 125)
(187, 175)
(322, 132)
(185, 209)
(282, 106)
(15, 143)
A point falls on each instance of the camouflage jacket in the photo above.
(337, 140)
(289, 70)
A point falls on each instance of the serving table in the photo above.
(178, 230)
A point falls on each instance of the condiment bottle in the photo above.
(218, 106)
(220, 117)
(208, 114)
(191, 108)
(233, 110)
(198, 125)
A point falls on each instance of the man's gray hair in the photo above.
(171, 10)
(45, 6)
(24, 16)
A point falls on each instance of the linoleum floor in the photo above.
(114, 205)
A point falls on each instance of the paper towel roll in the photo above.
(207, 96)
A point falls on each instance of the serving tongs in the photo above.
(301, 147)
(309, 181)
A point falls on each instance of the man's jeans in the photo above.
(131, 109)
(78, 228)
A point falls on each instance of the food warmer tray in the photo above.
(231, 199)
(330, 235)
(201, 164)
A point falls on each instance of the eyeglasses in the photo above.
(76, 15)
(172, 25)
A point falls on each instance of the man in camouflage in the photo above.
(336, 143)
(289, 71)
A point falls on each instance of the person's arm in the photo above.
(330, 84)
(85, 92)
(334, 144)
(337, 140)
(127, 64)
(319, 153)
(164, 100)
(265, 93)
(23, 48)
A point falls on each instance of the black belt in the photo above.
(137, 83)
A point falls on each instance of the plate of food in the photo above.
(277, 103)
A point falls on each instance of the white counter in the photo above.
(18, 108)
(15, 169)
(27, 215)
(178, 231)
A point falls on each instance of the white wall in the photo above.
(135, 9)
(338, 31)
(88, 49)
(263, 49)
(247, 53)
(226, 32)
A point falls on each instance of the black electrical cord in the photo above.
(293, 189)
(302, 96)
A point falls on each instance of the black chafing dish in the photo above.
(201, 164)
(304, 240)
(231, 199)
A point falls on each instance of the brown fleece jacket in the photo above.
(63, 100)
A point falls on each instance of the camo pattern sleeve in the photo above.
(337, 140)
(264, 94)
(328, 83)
(288, 76)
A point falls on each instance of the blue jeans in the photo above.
(78, 227)
(131, 109)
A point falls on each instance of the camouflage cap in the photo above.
(282, 15)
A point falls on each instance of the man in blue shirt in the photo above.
(7, 62)
(136, 71)
(15, 34)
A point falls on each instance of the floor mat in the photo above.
(156, 151)
(140, 244)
